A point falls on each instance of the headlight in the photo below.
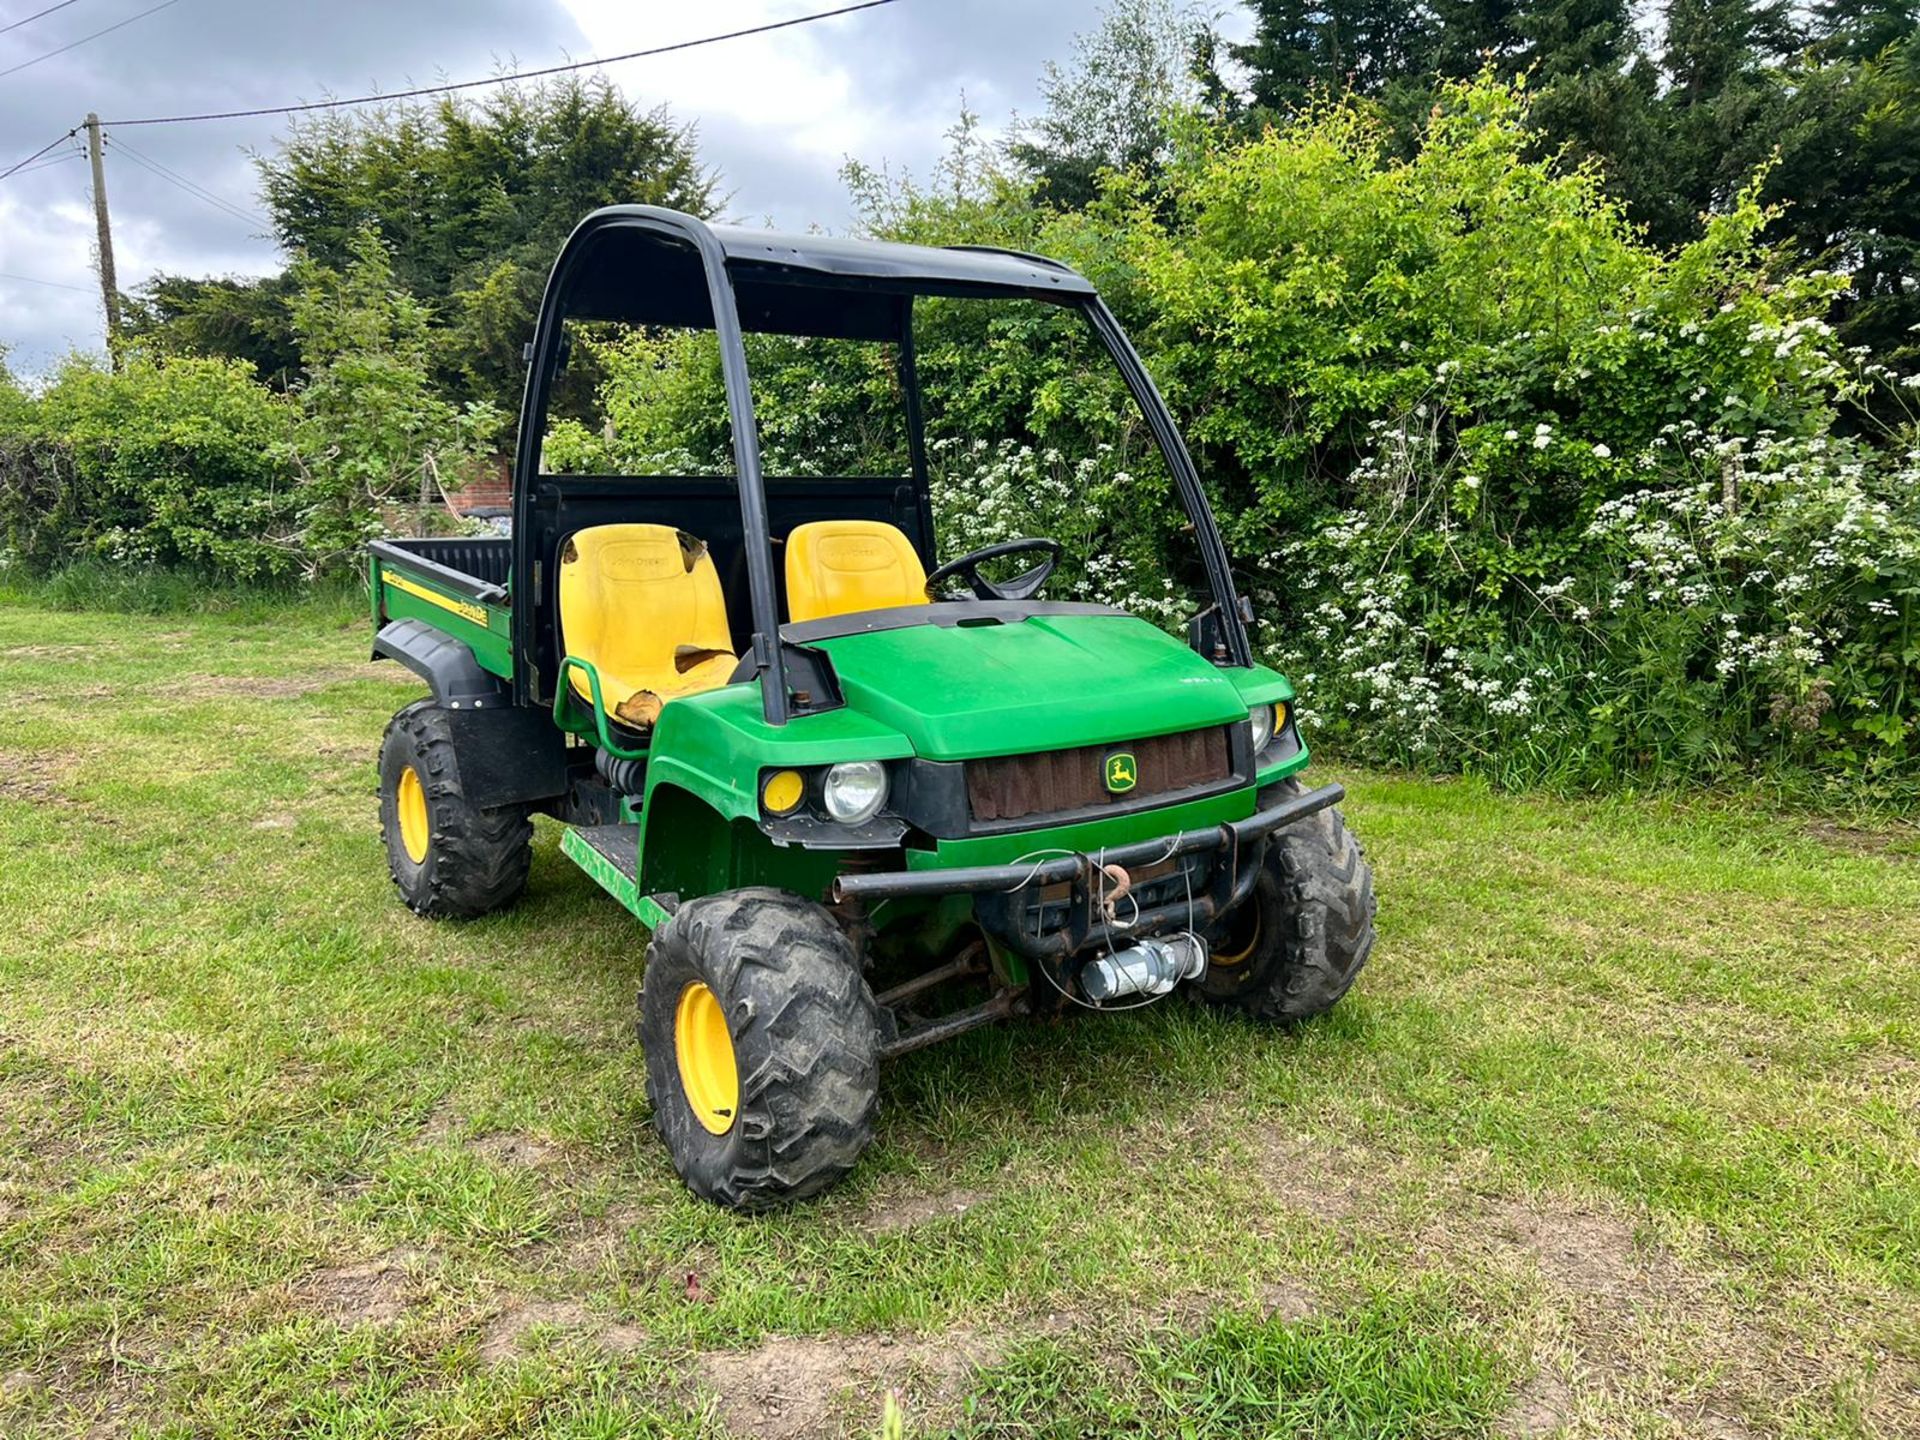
(1264, 724)
(855, 791)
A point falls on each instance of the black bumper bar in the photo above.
(1242, 841)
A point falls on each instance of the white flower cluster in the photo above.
(986, 493)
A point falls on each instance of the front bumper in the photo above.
(1236, 849)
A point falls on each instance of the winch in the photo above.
(1148, 967)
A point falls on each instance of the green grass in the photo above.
(1619, 1134)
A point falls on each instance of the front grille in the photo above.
(1052, 782)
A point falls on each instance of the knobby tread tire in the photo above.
(806, 1041)
(1314, 906)
(477, 860)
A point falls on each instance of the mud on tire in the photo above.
(805, 1037)
(1293, 947)
(473, 860)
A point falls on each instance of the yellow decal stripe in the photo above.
(476, 613)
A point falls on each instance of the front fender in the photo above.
(715, 745)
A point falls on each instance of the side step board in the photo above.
(611, 855)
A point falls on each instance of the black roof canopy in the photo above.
(631, 263)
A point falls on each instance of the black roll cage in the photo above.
(881, 280)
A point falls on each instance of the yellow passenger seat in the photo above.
(642, 604)
(837, 567)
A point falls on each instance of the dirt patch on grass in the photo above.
(507, 1334)
(37, 777)
(445, 1126)
(508, 1148)
(1325, 1182)
(47, 652)
(1635, 1330)
(1287, 1302)
(788, 1389)
(592, 1244)
(266, 687)
(889, 1215)
(1543, 1406)
(1583, 1253)
(1900, 842)
(373, 1292)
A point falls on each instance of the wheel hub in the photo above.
(709, 1074)
(410, 802)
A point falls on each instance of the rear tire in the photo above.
(448, 858)
(779, 1104)
(1293, 947)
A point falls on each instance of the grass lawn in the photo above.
(1619, 1134)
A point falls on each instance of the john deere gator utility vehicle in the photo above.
(862, 798)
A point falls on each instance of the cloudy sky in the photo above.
(777, 113)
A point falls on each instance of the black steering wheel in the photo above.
(1023, 586)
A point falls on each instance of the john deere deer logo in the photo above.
(1122, 774)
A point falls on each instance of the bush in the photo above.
(1524, 493)
(189, 464)
(179, 462)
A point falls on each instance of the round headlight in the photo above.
(1263, 722)
(855, 791)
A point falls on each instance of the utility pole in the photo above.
(109, 287)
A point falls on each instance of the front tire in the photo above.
(762, 1048)
(448, 857)
(1294, 946)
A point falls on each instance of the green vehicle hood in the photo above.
(1045, 683)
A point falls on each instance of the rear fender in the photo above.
(508, 755)
(446, 664)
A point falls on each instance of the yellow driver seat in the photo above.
(837, 567)
(642, 604)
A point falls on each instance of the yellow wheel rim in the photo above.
(1241, 955)
(410, 803)
(709, 1077)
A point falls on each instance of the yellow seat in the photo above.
(642, 604)
(837, 567)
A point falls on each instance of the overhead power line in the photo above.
(76, 44)
(55, 284)
(61, 159)
(496, 79)
(29, 19)
(19, 165)
(193, 188)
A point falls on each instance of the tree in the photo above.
(1108, 107)
(1849, 139)
(376, 432)
(1366, 46)
(474, 199)
(242, 319)
(1861, 29)
(1712, 43)
(454, 184)
(1475, 34)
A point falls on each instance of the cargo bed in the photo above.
(457, 586)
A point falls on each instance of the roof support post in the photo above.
(1213, 552)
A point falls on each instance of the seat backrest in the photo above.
(632, 597)
(837, 567)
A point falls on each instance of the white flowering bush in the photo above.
(1755, 601)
